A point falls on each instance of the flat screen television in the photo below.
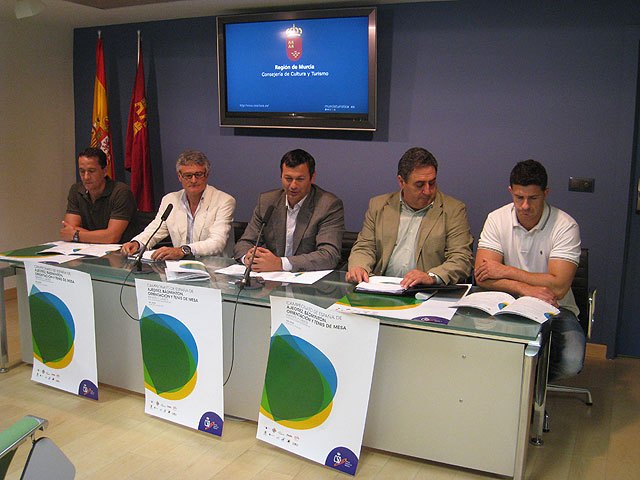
(312, 69)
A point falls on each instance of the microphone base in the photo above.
(255, 284)
(142, 269)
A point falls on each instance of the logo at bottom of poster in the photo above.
(343, 459)
(210, 422)
(88, 389)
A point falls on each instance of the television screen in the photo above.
(303, 69)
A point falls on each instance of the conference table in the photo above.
(457, 393)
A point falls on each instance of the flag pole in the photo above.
(137, 159)
(100, 135)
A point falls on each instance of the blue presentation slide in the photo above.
(312, 65)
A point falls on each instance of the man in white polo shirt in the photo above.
(530, 248)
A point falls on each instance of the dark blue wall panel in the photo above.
(480, 84)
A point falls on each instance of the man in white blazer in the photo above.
(200, 222)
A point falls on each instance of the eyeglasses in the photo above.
(189, 176)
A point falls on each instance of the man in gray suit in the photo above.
(305, 229)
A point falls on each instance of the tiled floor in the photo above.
(115, 439)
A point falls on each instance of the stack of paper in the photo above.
(186, 270)
(306, 278)
(381, 284)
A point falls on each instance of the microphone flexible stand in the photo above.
(139, 268)
(246, 283)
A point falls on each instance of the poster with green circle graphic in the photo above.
(181, 338)
(62, 328)
(317, 383)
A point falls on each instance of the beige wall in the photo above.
(36, 130)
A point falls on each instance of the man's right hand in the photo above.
(543, 293)
(130, 248)
(68, 231)
(264, 261)
(357, 275)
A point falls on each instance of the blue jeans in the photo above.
(567, 346)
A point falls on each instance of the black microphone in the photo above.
(138, 263)
(246, 278)
(267, 215)
(166, 213)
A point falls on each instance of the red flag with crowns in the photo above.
(100, 135)
(137, 159)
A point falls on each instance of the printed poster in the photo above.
(317, 383)
(429, 308)
(62, 328)
(181, 336)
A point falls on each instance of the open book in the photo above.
(186, 270)
(496, 303)
(391, 286)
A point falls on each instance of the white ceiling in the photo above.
(73, 14)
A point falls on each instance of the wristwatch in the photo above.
(186, 249)
(76, 236)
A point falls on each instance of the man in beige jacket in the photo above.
(418, 233)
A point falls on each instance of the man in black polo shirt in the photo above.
(99, 210)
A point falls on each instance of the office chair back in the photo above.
(348, 239)
(47, 462)
(238, 229)
(142, 220)
(585, 299)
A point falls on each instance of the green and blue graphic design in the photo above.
(191, 265)
(169, 355)
(29, 252)
(300, 383)
(52, 329)
(378, 302)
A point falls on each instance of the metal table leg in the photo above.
(540, 394)
(526, 393)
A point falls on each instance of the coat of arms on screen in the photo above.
(294, 43)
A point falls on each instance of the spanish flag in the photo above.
(100, 136)
(137, 148)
